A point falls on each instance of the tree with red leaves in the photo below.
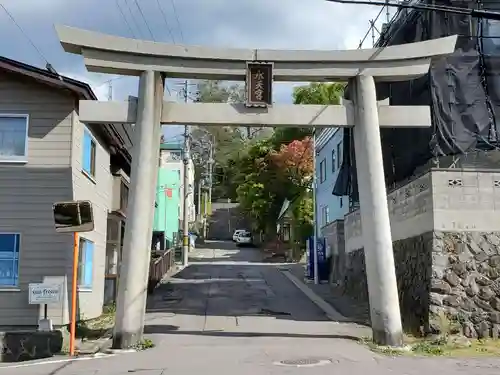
(295, 160)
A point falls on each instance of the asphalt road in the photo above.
(228, 313)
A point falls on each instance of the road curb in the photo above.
(324, 306)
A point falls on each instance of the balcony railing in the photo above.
(120, 194)
(123, 197)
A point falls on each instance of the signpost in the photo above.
(259, 84)
(73, 217)
(44, 294)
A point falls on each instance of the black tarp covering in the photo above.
(463, 91)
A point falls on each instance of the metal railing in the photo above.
(161, 264)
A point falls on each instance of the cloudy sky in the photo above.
(279, 24)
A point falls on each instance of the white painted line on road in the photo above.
(213, 280)
(329, 311)
(56, 361)
(241, 263)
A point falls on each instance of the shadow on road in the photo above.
(174, 330)
(226, 251)
(224, 281)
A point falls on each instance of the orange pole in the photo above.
(74, 292)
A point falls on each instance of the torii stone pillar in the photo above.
(377, 239)
(136, 253)
(110, 54)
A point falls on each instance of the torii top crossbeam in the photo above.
(117, 55)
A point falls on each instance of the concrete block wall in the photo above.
(441, 200)
(410, 211)
(466, 200)
(446, 240)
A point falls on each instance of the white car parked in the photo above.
(244, 238)
(236, 233)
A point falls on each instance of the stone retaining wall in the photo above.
(466, 280)
(451, 273)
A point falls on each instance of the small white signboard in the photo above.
(41, 294)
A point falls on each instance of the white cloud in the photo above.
(280, 24)
(100, 89)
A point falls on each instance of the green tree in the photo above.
(219, 92)
(318, 93)
(266, 177)
(228, 141)
(314, 93)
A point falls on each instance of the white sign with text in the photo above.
(41, 294)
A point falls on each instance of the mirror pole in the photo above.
(73, 296)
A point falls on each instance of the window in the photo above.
(13, 138)
(339, 154)
(85, 263)
(491, 36)
(174, 156)
(322, 170)
(325, 213)
(333, 161)
(89, 148)
(9, 259)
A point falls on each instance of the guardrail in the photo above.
(162, 262)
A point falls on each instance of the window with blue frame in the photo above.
(339, 154)
(89, 151)
(322, 171)
(333, 161)
(85, 264)
(9, 259)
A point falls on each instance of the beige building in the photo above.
(48, 155)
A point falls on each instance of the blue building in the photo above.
(328, 147)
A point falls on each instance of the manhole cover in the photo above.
(305, 362)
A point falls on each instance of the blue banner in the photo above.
(323, 267)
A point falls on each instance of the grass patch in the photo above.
(448, 342)
(459, 347)
(447, 346)
(144, 344)
(92, 329)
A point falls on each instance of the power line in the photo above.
(133, 18)
(125, 18)
(477, 13)
(168, 90)
(178, 21)
(25, 34)
(111, 80)
(165, 20)
(144, 19)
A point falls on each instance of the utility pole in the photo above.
(199, 199)
(110, 90)
(210, 172)
(185, 211)
(205, 203)
(315, 216)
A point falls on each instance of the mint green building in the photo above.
(168, 194)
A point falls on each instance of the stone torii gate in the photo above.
(361, 68)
